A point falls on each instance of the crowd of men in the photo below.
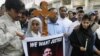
(81, 30)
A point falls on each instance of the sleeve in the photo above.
(5, 37)
(74, 40)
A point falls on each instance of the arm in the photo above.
(5, 37)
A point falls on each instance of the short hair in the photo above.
(14, 4)
(86, 17)
(74, 13)
(79, 8)
(80, 11)
(51, 9)
(25, 12)
(31, 10)
(62, 7)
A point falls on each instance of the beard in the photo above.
(62, 16)
(17, 18)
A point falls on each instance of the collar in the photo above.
(57, 23)
(8, 17)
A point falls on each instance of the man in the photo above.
(64, 19)
(54, 25)
(24, 21)
(10, 32)
(66, 24)
(47, 52)
(80, 14)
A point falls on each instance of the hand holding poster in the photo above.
(44, 46)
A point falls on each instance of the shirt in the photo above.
(66, 23)
(10, 43)
(73, 25)
(55, 28)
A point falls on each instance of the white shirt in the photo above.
(73, 25)
(66, 22)
(10, 43)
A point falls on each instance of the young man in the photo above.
(66, 23)
(82, 39)
(10, 32)
(47, 52)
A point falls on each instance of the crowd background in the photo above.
(18, 23)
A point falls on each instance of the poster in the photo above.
(44, 46)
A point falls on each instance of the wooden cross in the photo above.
(44, 14)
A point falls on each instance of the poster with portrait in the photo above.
(44, 46)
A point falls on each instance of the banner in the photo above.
(44, 46)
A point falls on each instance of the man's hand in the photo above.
(21, 35)
(98, 52)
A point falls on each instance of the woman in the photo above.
(82, 39)
(34, 27)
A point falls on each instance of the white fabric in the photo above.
(30, 23)
(9, 41)
(73, 25)
(36, 35)
(66, 22)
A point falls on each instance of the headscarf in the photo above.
(30, 24)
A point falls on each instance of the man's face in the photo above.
(80, 15)
(15, 14)
(47, 52)
(62, 12)
(23, 18)
(85, 24)
(53, 17)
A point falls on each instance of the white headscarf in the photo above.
(30, 24)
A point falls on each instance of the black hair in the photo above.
(31, 10)
(25, 12)
(14, 4)
(86, 17)
(51, 9)
(92, 14)
(80, 11)
(46, 48)
(74, 13)
(79, 8)
(62, 7)
(41, 3)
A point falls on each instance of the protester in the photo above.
(10, 32)
(82, 39)
(34, 27)
(54, 25)
(24, 21)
